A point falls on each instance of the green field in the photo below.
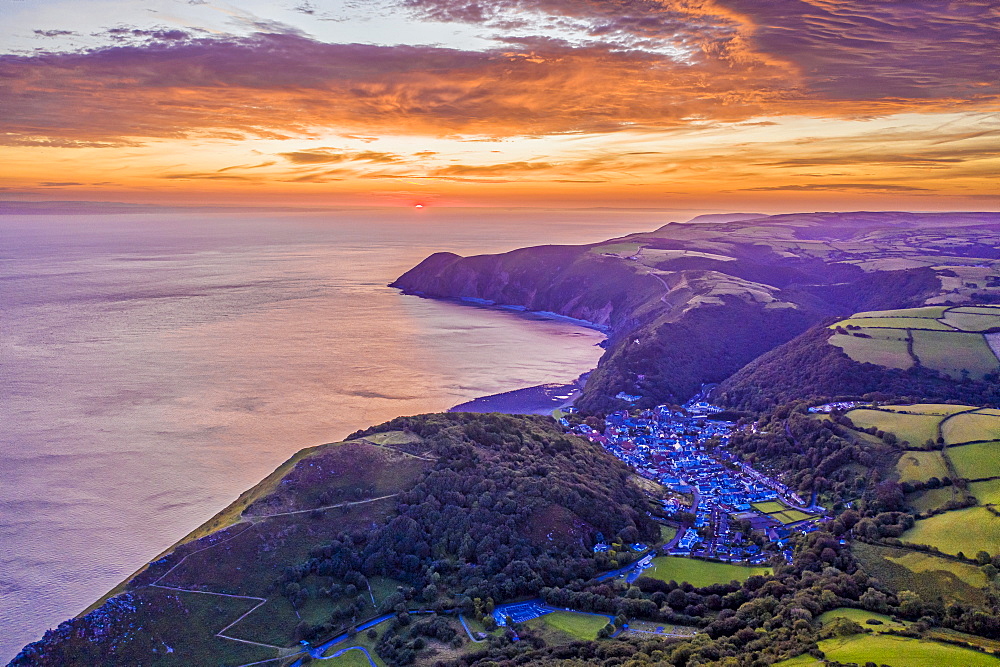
(932, 312)
(357, 658)
(637, 627)
(920, 466)
(930, 499)
(942, 409)
(889, 352)
(667, 533)
(392, 438)
(790, 516)
(971, 321)
(897, 323)
(894, 651)
(580, 626)
(859, 616)
(982, 310)
(698, 572)
(976, 461)
(971, 427)
(922, 563)
(352, 657)
(953, 352)
(915, 429)
(967, 530)
(929, 576)
(769, 506)
(987, 493)
(944, 339)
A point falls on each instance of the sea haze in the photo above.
(156, 365)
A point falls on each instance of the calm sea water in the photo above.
(154, 366)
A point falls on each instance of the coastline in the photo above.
(521, 310)
(540, 399)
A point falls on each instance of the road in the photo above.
(468, 631)
(317, 651)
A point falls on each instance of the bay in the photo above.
(155, 365)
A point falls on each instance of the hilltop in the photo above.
(691, 303)
(428, 512)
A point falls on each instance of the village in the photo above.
(726, 509)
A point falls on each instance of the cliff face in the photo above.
(693, 303)
(668, 331)
(560, 279)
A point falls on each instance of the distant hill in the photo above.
(688, 304)
(727, 217)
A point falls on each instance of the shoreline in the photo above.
(520, 310)
(539, 399)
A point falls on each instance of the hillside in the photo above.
(937, 353)
(693, 303)
(429, 511)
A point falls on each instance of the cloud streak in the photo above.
(669, 96)
(742, 59)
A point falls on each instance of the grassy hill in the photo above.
(423, 512)
(918, 354)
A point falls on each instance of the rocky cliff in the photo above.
(690, 304)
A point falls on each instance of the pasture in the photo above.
(624, 249)
(949, 340)
(920, 466)
(968, 530)
(860, 616)
(971, 427)
(889, 352)
(976, 461)
(986, 492)
(899, 323)
(932, 312)
(930, 499)
(973, 319)
(700, 573)
(952, 352)
(349, 657)
(942, 409)
(883, 649)
(923, 564)
(915, 429)
(928, 575)
(580, 626)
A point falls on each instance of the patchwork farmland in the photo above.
(950, 470)
(959, 341)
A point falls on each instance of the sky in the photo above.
(715, 104)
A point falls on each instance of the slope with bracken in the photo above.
(431, 510)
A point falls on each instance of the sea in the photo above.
(155, 364)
